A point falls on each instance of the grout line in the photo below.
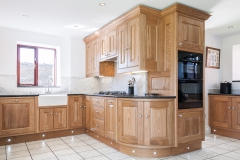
(50, 149)
(28, 151)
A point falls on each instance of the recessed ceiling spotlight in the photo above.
(25, 16)
(102, 4)
(230, 26)
(75, 26)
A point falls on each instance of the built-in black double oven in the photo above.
(190, 80)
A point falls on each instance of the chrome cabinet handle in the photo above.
(111, 105)
(180, 115)
(140, 115)
(229, 107)
(56, 113)
(233, 108)
(80, 106)
(16, 100)
(50, 114)
(180, 44)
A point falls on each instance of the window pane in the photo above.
(26, 66)
(46, 67)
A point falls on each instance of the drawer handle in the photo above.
(110, 105)
(140, 115)
(97, 125)
(80, 106)
(16, 100)
(233, 108)
(180, 44)
(97, 111)
(229, 107)
(56, 113)
(50, 114)
(180, 115)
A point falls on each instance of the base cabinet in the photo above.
(75, 110)
(88, 116)
(110, 118)
(16, 116)
(53, 119)
(190, 125)
(146, 123)
(224, 113)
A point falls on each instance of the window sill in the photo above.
(38, 86)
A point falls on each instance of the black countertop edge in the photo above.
(223, 94)
(101, 95)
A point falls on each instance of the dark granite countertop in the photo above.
(233, 94)
(92, 94)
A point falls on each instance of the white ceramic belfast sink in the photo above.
(52, 100)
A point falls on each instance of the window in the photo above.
(36, 66)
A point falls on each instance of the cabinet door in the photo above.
(75, 111)
(130, 122)
(46, 119)
(110, 118)
(103, 46)
(133, 47)
(16, 116)
(190, 34)
(60, 118)
(95, 56)
(112, 43)
(158, 123)
(122, 46)
(88, 112)
(89, 58)
(220, 111)
(190, 126)
(236, 113)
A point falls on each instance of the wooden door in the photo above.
(190, 126)
(60, 118)
(95, 57)
(112, 43)
(103, 46)
(110, 118)
(88, 112)
(159, 123)
(220, 111)
(133, 47)
(88, 58)
(46, 119)
(190, 34)
(130, 122)
(236, 113)
(16, 116)
(122, 46)
(75, 111)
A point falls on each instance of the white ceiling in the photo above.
(50, 16)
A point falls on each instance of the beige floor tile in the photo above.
(39, 150)
(67, 137)
(77, 144)
(191, 156)
(221, 157)
(217, 150)
(234, 143)
(35, 142)
(98, 158)
(22, 158)
(16, 148)
(2, 150)
(72, 140)
(137, 158)
(54, 143)
(74, 156)
(234, 155)
(59, 147)
(89, 154)
(3, 156)
(117, 156)
(63, 152)
(52, 139)
(175, 158)
(205, 153)
(92, 141)
(43, 156)
(2, 147)
(98, 145)
(227, 147)
(18, 154)
(38, 145)
(85, 138)
(82, 149)
(107, 150)
(16, 145)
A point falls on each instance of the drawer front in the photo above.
(98, 126)
(98, 102)
(98, 113)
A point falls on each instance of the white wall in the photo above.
(226, 65)
(212, 76)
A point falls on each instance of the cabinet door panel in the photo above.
(236, 113)
(191, 34)
(112, 43)
(88, 112)
(122, 46)
(110, 118)
(60, 118)
(46, 119)
(190, 126)
(89, 58)
(133, 43)
(130, 122)
(95, 57)
(75, 111)
(103, 46)
(220, 114)
(17, 116)
(158, 123)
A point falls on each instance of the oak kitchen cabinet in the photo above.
(88, 112)
(108, 45)
(17, 115)
(52, 118)
(190, 125)
(110, 118)
(75, 111)
(224, 115)
(92, 58)
(146, 123)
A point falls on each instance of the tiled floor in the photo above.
(82, 146)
